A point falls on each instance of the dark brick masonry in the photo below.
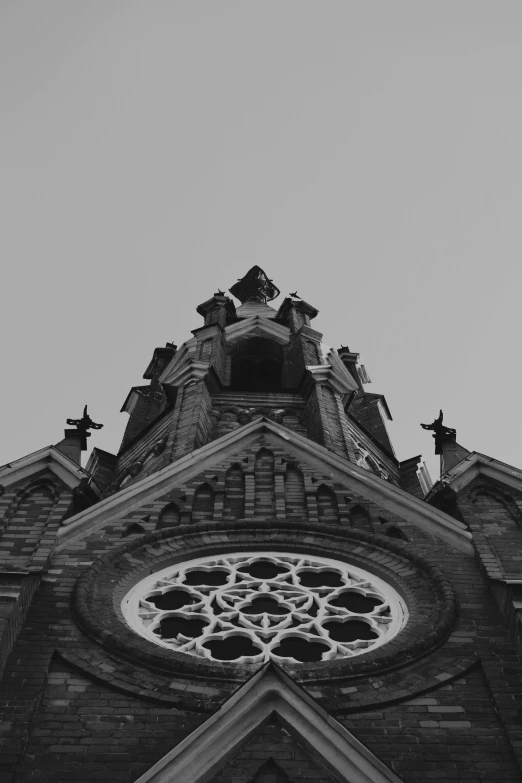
(83, 698)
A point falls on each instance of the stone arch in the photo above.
(360, 518)
(264, 490)
(32, 507)
(44, 487)
(327, 507)
(493, 505)
(203, 503)
(169, 516)
(234, 505)
(492, 514)
(481, 494)
(295, 500)
(495, 511)
(42, 484)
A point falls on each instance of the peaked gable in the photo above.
(476, 464)
(48, 458)
(269, 692)
(384, 493)
(284, 761)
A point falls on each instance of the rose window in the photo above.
(249, 607)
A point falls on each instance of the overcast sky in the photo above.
(366, 153)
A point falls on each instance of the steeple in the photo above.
(249, 362)
(256, 513)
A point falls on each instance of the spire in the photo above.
(255, 286)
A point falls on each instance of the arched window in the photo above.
(264, 493)
(257, 365)
(327, 509)
(234, 507)
(203, 503)
(360, 518)
(295, 492)
(168, 517)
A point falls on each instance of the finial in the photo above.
(84, 424)
(440, 432)
(255, 285)
(295, 295)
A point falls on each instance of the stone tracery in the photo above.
(251, 607)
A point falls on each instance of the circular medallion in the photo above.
(248, 607)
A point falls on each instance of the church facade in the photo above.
(255, 589)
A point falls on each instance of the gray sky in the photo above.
(366, 153)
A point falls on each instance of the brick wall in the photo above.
(430, 720)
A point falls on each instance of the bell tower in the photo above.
(251, 361)
(254, 588)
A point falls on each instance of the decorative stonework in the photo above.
(365, 460)
(256, 606)
(102, 588)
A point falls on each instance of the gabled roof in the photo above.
(368, 485)
(200, 755)
(476, 464)
(48, 458)
(257, 324)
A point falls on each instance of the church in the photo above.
(255, 589)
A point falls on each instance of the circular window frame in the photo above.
(304, 611)
(428, 595)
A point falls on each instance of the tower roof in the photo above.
(255, 286)
(254, 290)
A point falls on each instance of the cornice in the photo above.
(211, 330)
(310, 333)
(190, 372)
(325, 373)
(182, 355)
